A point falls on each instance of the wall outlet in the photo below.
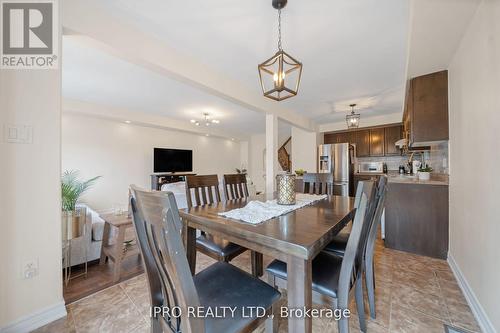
(29, 269)
(18, 134)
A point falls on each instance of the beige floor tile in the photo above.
(63, 325)
(429, 304)
(405, 320)
(426, 283)
(461, 316)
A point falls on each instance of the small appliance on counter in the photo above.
(371, 167)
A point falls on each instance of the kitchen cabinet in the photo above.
(391, 135)
(377, 142)
(416, 219)
(426, 109)
(374, 141)
(362, 141)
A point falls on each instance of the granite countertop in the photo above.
(394, 177)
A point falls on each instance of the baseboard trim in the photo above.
(476, 307)
(37, 319)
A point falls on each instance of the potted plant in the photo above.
(242, 170)
(424, 173)
(300, 172)
(72, 188)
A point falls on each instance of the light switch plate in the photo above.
(18, 133)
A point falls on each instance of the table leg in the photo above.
(105, 242)
(189, 235)
(299, 289)
(118, 255)
(257, 264)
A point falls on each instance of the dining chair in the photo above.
(171, 285)
(338, 245)
(318, 183)
(206, 192)
(235, 186)
(333, 277)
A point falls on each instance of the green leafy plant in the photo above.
(72, 188)
(243, 171)
(425, 169)
(300, 172)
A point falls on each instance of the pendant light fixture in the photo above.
(280, 74)
(353, 118)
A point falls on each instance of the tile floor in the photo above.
(413, 294)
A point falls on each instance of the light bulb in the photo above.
(275, 77)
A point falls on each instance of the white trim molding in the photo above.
(476, 307)
(37, 319)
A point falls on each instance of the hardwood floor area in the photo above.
(99, 277)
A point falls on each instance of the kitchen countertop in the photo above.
(395, 177)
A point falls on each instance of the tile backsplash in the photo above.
(436, 158)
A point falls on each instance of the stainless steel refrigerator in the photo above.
(338, 160)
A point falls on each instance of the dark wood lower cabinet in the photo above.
(416, 219)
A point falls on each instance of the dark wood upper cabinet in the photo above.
(427, 108)
(392, 134)
(377, 142)
(362, 141)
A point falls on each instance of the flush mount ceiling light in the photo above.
(353, 118)
(207, 120)
(281, 66)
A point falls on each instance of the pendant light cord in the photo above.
(279, 30)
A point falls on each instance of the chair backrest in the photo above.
(351, 263)
(205, 188)
(158, 226)
(377, 216)
(235, 186)
(318, 183)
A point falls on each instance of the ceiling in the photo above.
(94, 76)
(353, 51)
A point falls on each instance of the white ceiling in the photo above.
(94, 76)
(353, 51)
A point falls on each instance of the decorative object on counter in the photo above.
(424, 173)
(73, 217)
(384, 168)
(402, 170)
(353, 118)
(285, 184)
(273, 71)
(300, 172)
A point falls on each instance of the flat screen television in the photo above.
(172, 160)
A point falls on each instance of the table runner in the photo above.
(256, 212)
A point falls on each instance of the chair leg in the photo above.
(360, 304)
(272, 321)
(155, 325)
(257, 264)
(370, 287)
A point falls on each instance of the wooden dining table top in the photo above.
(301, 233)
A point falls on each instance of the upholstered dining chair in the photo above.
(206, 192)
(235, 186)
(318, 183)
(158, 228)
(334, 277)
(338, 245)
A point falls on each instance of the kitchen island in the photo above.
(416, 215)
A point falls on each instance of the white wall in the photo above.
(474, 78)
(30, 199)
(304, 149)
(256, 170)
(122, 154)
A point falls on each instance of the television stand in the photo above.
(158, 179)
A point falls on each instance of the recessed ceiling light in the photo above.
(207, 134)
(232, 139)
(193, 121)
(127, 121)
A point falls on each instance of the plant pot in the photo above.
(73, 223)
(424, 175)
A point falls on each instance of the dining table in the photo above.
(295, 238)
